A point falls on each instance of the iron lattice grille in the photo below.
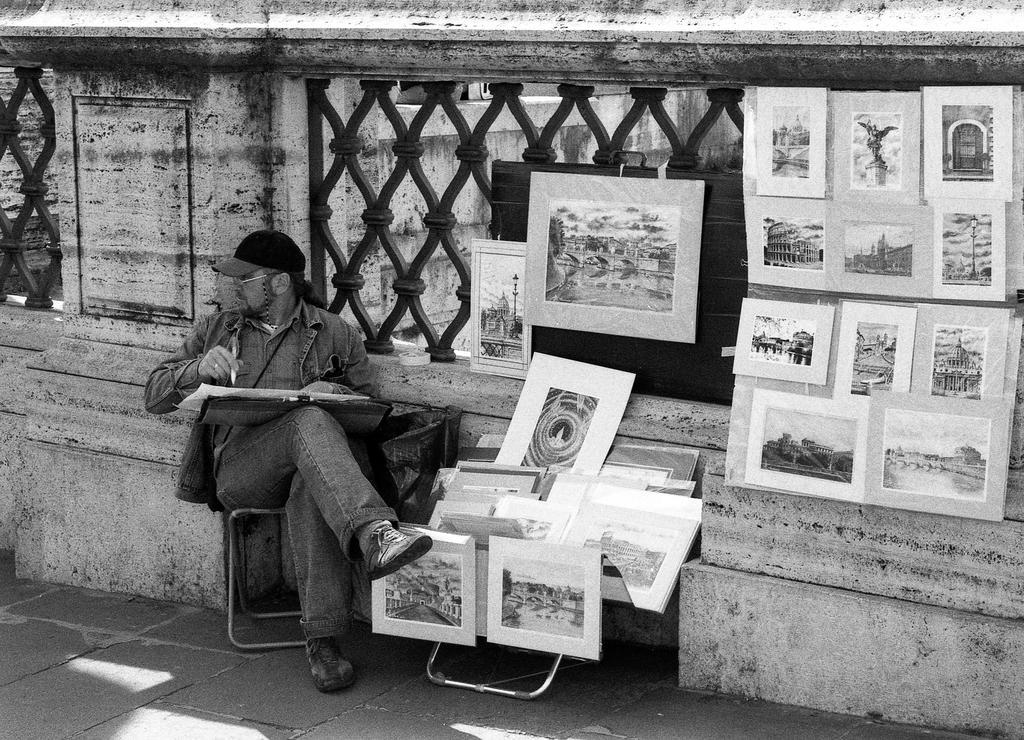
(472, 154)
(33, 188)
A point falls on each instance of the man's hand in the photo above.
(217, 365)
(320, 386)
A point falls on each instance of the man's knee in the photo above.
(316, 427)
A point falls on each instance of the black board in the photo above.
(690, 371)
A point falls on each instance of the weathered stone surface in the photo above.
(112, 523)
(131, 159)
(946, 561)
(23, 335)
(205, 187)
(842, 651)
(756, 42)
(690, 423)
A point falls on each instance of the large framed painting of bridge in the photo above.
(543, 596)
(614, 255)
(809, 445)
(784, 340)
(939, 455)
(500, 342)
(433, 598)
(969, 142)
(789, 139)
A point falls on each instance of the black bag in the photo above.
(406, 452)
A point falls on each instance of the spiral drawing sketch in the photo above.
(561, 428)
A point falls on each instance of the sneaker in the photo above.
(389, 549)
(330, 671)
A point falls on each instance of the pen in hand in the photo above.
(233, 345)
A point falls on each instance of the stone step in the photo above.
(928, 558)
(843, 651)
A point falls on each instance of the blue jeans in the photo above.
(302, 461)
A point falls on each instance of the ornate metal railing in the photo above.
(472, 154)
(39, 282)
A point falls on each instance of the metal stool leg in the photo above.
(440, 679)
(236, 585)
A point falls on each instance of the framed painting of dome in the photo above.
(787, 128)
(961, 351)
(969, 142)
(500, 334)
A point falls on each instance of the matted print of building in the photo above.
(785, 248)
(883, 258)
(957, 373)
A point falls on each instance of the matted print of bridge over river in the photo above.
(428, 590)
(543, 597)
(935, 454)
(619, 255)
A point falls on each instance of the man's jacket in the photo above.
(328, 349)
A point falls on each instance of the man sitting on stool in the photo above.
(277, 335)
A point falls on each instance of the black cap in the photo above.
(266, 248)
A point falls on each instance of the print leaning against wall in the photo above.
(433, 598)
(500, 333)
(614, 255)
(784, 340)
(786, 127)
(806, 444)
(567, 415)
(543, 596)
(940, 455)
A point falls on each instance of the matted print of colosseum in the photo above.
(797, 243)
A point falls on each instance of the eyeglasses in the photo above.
(249, 280)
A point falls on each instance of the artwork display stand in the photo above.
(438, 678)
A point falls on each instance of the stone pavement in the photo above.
(89, 664)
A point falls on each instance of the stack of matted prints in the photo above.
(908, 194)
(519, 542)
(903, 405)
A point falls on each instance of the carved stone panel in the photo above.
(134, 184)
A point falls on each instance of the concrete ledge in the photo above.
(840, 651)
(94, 520)
(652, 41)
(945, 561)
